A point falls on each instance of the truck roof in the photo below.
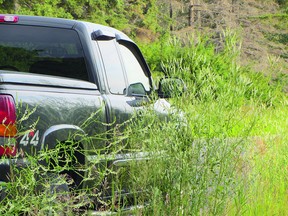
(66, 23)
(46, 21)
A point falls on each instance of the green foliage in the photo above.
(283, 5)
(116, 13)
(150, 15)
(52, 182)
(202, 169)
(42, 8)
(192, 163)
(282, 2)
(7, 6)
(37, 190)
(271, 181)
(195, 165)
(211, 74)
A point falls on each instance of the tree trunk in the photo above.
(15, 5)
(171, 16)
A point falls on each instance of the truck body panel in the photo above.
(70, 77)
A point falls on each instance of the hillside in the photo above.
(261, 24)
(263, 30)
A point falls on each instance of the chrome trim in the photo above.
(127, 211)
(119, 157)
(14, 161)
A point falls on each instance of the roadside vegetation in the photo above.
(232, 158)
(223, 151)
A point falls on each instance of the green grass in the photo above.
(267, 194)
(235, 117)
(265, 175)
(227, 156)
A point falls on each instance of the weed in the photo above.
(198, 160)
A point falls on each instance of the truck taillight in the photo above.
(8, 151)
(9, 18)
(7, 116)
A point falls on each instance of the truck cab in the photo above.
(55, 74)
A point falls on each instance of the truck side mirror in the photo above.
(136, 89)
(171, 87)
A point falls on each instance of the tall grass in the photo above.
(209, 156)
(266, 191)
(187, 174)
(207, 166)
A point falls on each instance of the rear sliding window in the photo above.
(42, 50)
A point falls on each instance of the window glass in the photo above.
(113, 67)
(133, 68)
(42, 50)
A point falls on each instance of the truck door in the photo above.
(126, 81)
(127, 86)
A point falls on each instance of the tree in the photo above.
(8, 6)
(116, 13)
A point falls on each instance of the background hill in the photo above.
(261, 24)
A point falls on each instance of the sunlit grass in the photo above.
(265, 187)
(237, 122)
(222, 152)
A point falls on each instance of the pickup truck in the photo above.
(57, 73)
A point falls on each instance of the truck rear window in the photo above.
(42, 50)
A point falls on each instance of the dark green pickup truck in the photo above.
(54, 74)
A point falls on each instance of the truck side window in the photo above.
(42, 50)
(133, 68)
(113, 67)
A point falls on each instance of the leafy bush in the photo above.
(212, 74)
(120, 14)
(282, 2)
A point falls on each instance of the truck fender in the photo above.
(60, 133)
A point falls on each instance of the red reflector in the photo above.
(8, 130)
(8, 151)
(9, 18)
(7, 116)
